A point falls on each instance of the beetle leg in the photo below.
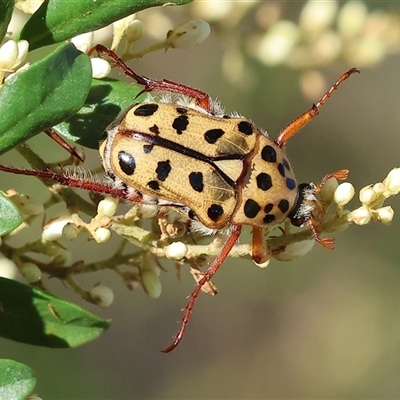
(306, 117)
(201, 99)
(208, 274)
(66, 179)
(52, 134)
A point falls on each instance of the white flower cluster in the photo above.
(372, 198)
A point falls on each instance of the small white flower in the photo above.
(360, 216)
(367, 195)
(134, 31)
(83, 42)
(8, 54)
(107, 207)
(53, 230)
(176, 251)
(343, 194)
(328, 190)
(31, 272)
(102, 295)
(151, 282)
(102, 235)
(100, 67)
(278, 43)
(316, 16)
(392, 182)
(23, 48)
(70, 231)
(119, 29)
(385, 214)
(188, 34)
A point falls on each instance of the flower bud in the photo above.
(23, 48)
(102, 295)
(316, 16)
(107, 207)
(188, 34)
(70, 231)
(8, 269)
(278, 43)
(385, 214)
(100, 67)
(360, 216)
(8, 54)
(31, 272)
(102, 235)
(176, 251)
(328, 190)
(134, 31)
(343, 194)
(367, 195)
(53, 230)
(392, 182)
(83, 42)
(151, 282)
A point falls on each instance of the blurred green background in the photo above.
(326, 325)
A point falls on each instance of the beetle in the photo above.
(219, 172)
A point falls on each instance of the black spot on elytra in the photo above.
(154, 129)
(154, 185)
(181, 110)
(268, 208)
(286, 164)
(163, 169)
(196, 181)
(180, 124)
(146, 110)
(215, 211)
(269, 218)
(290, 183)
(281, 169)
(245, 127)
(126, 162)
(212, 135)
(147, 148)
(264, 181)
(268, 154)
(251, 208)
(283, 205)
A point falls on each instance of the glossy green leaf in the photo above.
(58, 20)
(10, 218)
(30, 315)
(45, 94)
(106, 99)
(6, 9)
(17, 381)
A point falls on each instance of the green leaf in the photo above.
(107, 98)
(33, 316)
(17, 381)
(58, 20)
(10, 218)
(6, 9)
(47, 93)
